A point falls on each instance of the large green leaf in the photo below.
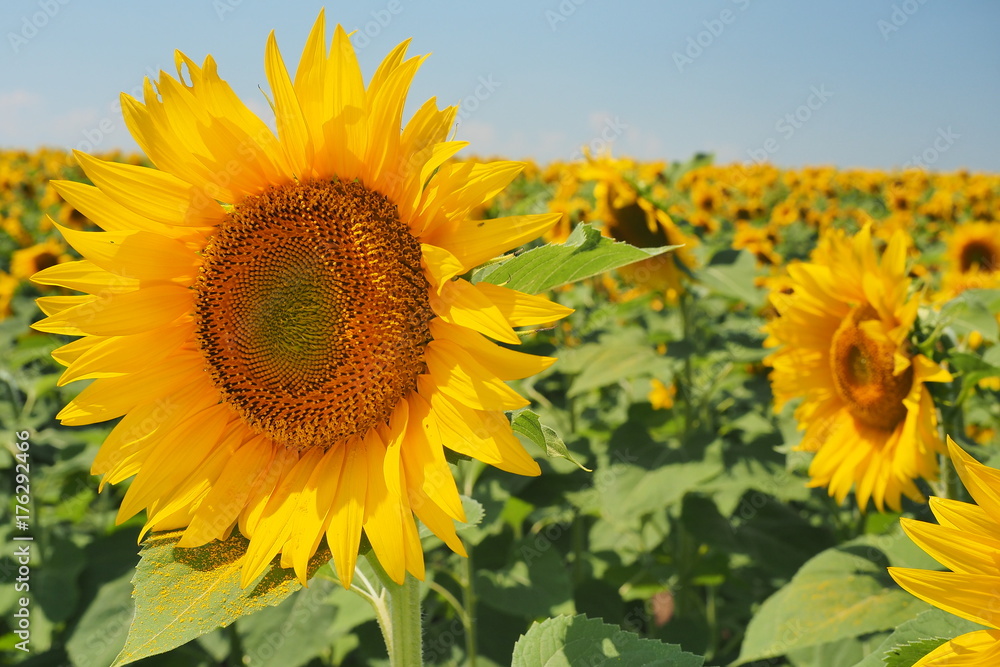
(181, 594)
(585, 253)
(302, 627)
(842, 592)
(731, 273)
(918, 637)
(536, 583)
(972, 310)
(567, 641)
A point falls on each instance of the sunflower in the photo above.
(843, 332)
(8, 286)
(973, 258)
(27, 261)
(630, 217)
(661, 396)
(278, 318)
(966, 540)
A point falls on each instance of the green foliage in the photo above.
(841, 593)
(181, 594)
(917, 637)
(577, 640)
(586, 253)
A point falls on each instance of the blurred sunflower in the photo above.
(973, 258)
(28, 261)
(966, 540)
(628, 216)
(278, 319)
(843, 333)
(8, 285)
(661, 396)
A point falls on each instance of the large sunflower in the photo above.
(278, 318)
(966, 541)
(843, 333)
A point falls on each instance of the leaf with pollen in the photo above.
(181, 594)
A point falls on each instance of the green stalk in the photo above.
(401, 627)
(469, 598)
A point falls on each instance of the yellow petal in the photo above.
(383, 513)
(501, 362)
(971, 596)
(275, 524)
(475, 241)
(85, 276)
(461, 303)
(292, 129)
(520, 309)
(462, 378)
(153, 194)
(221, 507)
(348, 511)
(112, 397)
(122, 314)
(137, 255)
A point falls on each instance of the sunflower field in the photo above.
(759, 409)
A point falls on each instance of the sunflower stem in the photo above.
(469, 598)
(402, 629)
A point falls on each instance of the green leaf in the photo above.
(908, 654)
(842, 592)
(732, 274)
(611, 362)
(181, 594)
(100, 634)
(526, 423)
(917, 637)
(536, 582)
(302, 627)
(567, 641)
(586, 253)
(973, 310)
(474, 514)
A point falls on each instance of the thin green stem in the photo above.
(401, 622)
(453, 601)
(688, 392)
(469, 600)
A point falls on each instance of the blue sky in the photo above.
(868, 83)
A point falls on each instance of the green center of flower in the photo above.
(313, 311)
(863, 373)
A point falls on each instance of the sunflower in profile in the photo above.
(973, 258)
(278, 319)
(966, 540)
(843, 335)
